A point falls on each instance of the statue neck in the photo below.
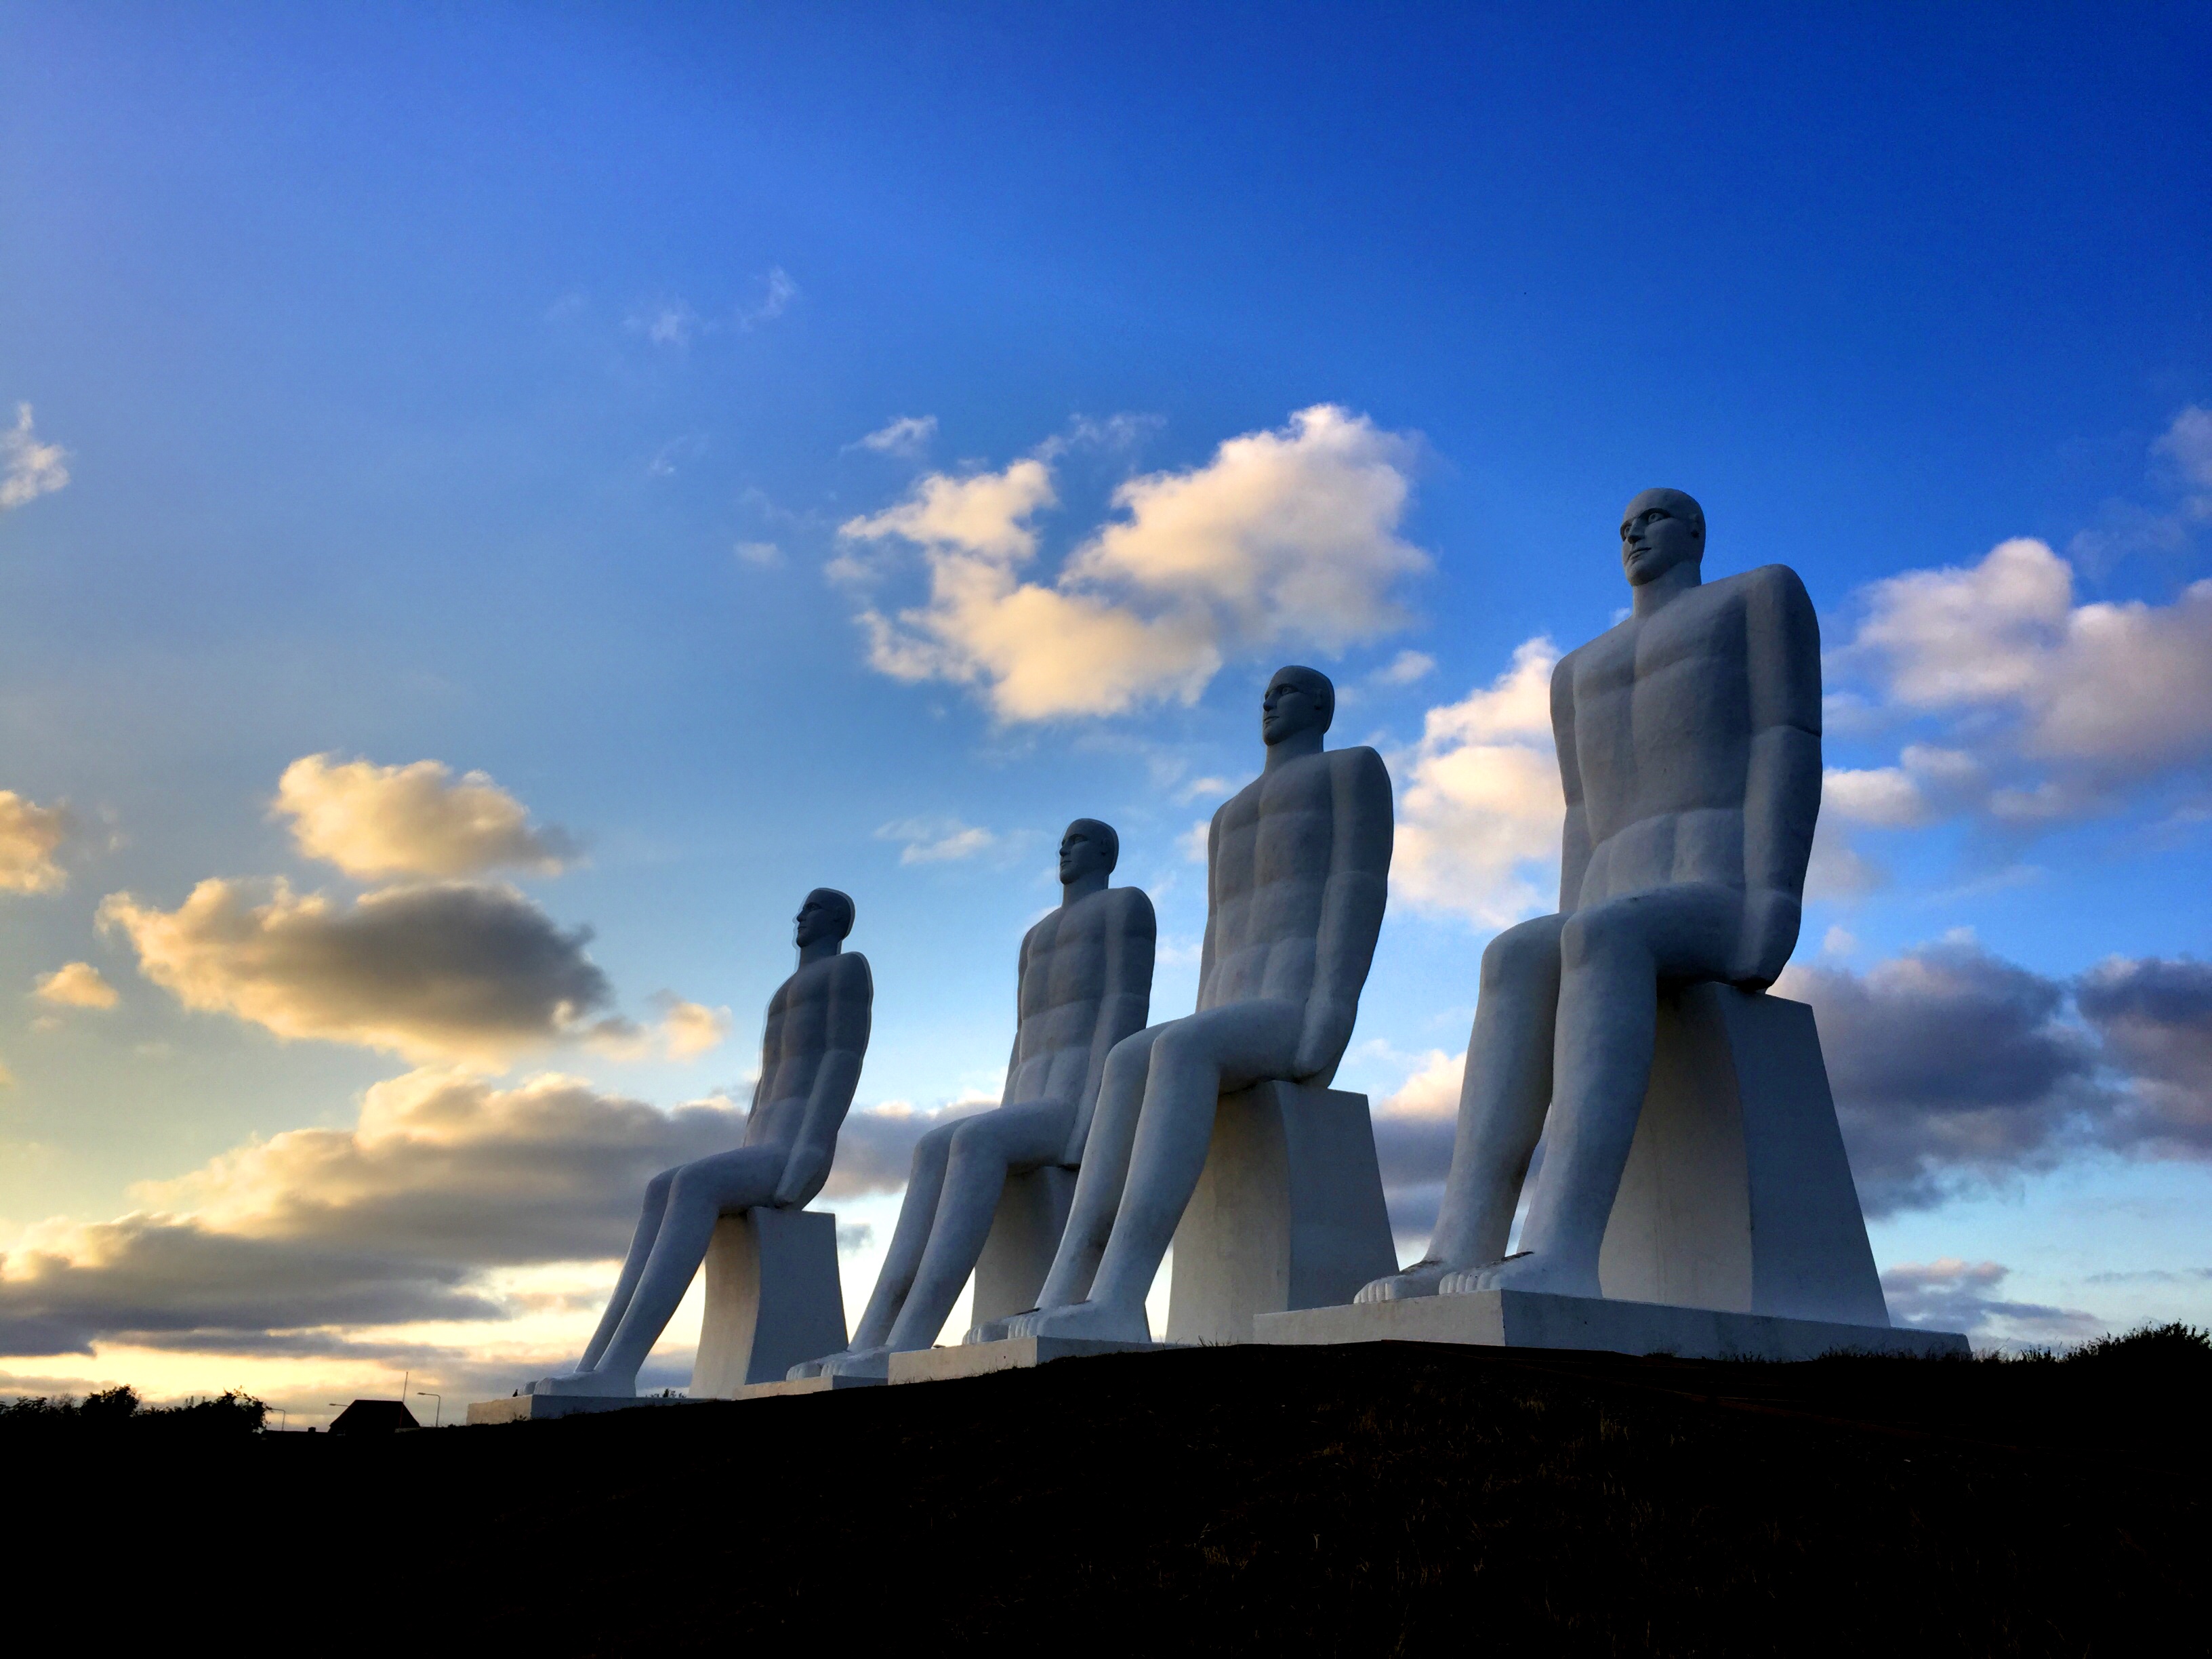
(1662, 590)
(1297, 746)
(1083, 887)
(821, 950)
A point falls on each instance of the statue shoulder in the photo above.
(851, 974)
(1131, 907)
(1773, 583)
(1360, 768)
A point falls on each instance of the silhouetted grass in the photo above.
(1400, 1499)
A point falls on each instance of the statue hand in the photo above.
(1771, 921)
(1328, 1030)
(805, 1174)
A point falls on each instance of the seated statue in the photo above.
(1689, 741)
(811, 1055)
(1297, 869)
(1086, 982)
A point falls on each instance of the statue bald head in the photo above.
(1660, 530)
(1297, 700)
(1090, 848)
(826, 913)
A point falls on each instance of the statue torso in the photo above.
(1065, 962)
(796, 1037)
(1273, 844)
(1661, 728)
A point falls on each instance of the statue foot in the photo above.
(859, 1362)
(993, 1330)
(806, 1367)
(1421, 1278)
(1525, 1270)
(1099, 1321)
(595, 1384)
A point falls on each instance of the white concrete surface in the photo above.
(536, 1407)
(815, 1384)
(1013, 1353)
(1535, 1319)
(1288, 1212)
(773, 1298)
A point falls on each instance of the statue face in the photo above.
(821, 917)
(1657, 535)
(1081, 853)
(1292, 704)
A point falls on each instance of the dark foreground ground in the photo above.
(1399, 1498)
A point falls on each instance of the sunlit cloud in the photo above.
(454, 970)
(937, 841)
(1283, 536)
(76, 985)
(29, 836)
(907, 436)
(417, 820)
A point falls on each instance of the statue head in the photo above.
(1088, 848)
(827, 915)
(1297, 700)
(1660, 530)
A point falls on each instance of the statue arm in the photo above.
(1014, 1053)
(852, 998)
(1205, 947)
(1782, 786)
(1574, 833)
(1351, 904)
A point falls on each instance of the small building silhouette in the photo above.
(374, 1417)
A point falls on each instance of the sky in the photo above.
(497, 502)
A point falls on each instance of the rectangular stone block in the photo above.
(1737, 1196)
(806, 1385)
(1288, 1213)
(1025, 1231)
(773, 1299)
(536, 1407)
(1530, 1319)
(1014, 1353)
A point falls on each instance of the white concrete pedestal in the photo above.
(1011, 1353)
(1737, 1196)
(1532, 1319)
(536, 1407)
(1288, 1213)
(773, 1299)
(1025, 1231)
(806, 1385)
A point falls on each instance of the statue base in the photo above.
(773, 1299)
(806, 1385)
(1013, 1354)
(536, 1407)
(1288, 1212)
(1535, 1319)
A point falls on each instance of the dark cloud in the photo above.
(875, 1149)
(1948, 1064)
(2155, 1017)
(1950, 1295)
(445, 970)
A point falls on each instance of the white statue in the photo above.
(1086, 982)
(811, 1055)
(1689, 741)
(1298, 869)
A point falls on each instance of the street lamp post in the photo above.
(438, 1420)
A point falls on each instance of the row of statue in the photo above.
(1689, 748)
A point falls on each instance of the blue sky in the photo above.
(495, 388)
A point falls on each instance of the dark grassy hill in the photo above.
(1398, 1498)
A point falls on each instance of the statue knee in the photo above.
(933, 1149)
(1522, 952)
(1597, 932)
(656, 1190)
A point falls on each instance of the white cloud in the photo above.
(692, 1029)
(1284, 535)
(28, 469)
(1206, 788)
(1193, 841)
(1407, 667)
(2103, 690)
(778, 292)
(669, 323)
(2187, 444)
(29, 834)
(761, 556)
(415, 820)
(451, 971)
(907, 435)
(1479, 812)
(76, 985)
(937, 841)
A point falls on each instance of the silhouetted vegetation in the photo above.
(1400, 1498)
(227, 1416)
